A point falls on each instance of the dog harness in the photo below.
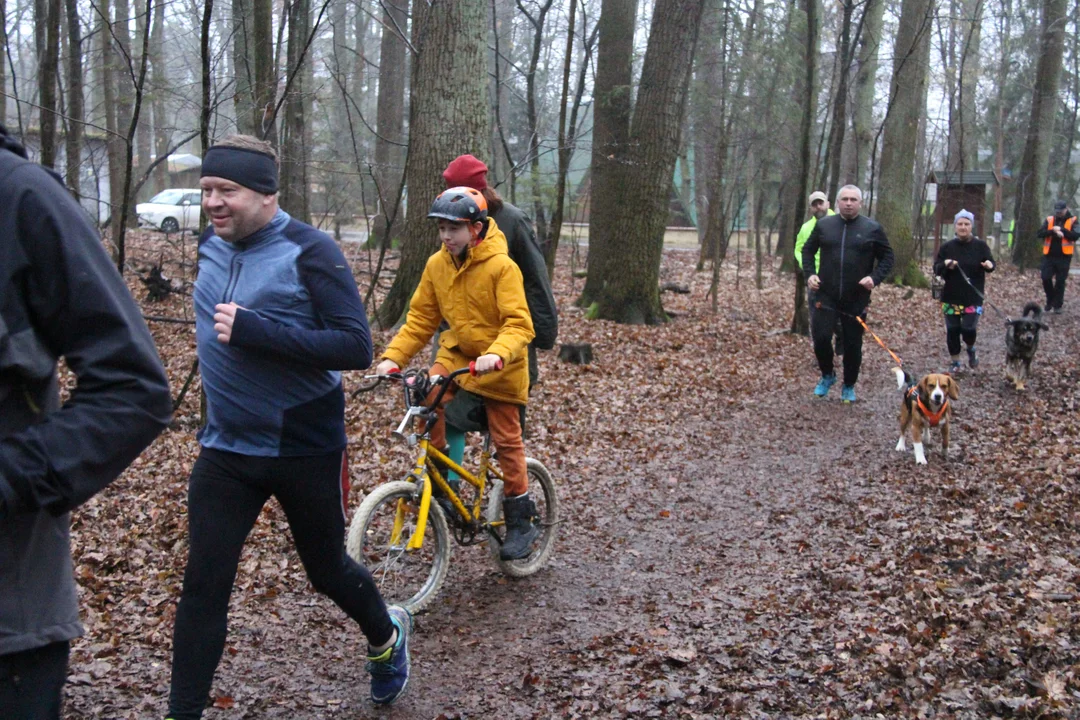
(1067, 245)
(931, 417)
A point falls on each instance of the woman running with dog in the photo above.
(963, 263)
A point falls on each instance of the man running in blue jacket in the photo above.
(277, 316)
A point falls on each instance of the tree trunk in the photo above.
(611, 126)
(863, 111)
(501, 167)
(114, 144)
(244, 65)
(448, 115)
(342, 193)
(157, 82)
(119, 72)
(1031, 180)
(126, 208)
(625, 252)
(389, 143)
(3, 64)
(800, 319)
(840, 116)
(47, 40)
(551, 247)
(75, 104)
(893, 203)
(294, 150)
(963, 138)
(143, 142)
(532, 116)
(262, 40)
(705, 103)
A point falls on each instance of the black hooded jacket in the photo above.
(60, 296)
(850, 250)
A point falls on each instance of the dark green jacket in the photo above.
(525, 251)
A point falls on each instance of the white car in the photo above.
(171, 210)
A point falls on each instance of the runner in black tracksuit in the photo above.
(851, 246)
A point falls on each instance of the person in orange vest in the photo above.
(1059, 234)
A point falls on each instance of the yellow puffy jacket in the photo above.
(483, 301)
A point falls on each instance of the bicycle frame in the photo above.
(425, 464)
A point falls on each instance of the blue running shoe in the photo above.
(847, 394)
(824, 384)
(390, 668)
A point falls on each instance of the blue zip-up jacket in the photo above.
(275, 389)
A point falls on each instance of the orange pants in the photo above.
(504, 425)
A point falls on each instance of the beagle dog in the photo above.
(926, 405)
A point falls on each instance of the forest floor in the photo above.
(731, 546)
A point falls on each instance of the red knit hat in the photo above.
(466, 170)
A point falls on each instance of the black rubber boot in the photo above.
(521, 532)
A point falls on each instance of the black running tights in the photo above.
(226, 492)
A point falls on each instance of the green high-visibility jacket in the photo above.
(800, 240)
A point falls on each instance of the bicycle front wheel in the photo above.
(410, 578)
(542, 491)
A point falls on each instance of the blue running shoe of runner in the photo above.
(824, 384)
(390, 668)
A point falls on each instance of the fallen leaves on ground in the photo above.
(730, 545)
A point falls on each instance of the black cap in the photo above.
(1060, 205)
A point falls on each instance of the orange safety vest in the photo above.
(1067, 245)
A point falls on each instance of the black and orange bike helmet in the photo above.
(460, 204)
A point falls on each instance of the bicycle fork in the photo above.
(417, 539)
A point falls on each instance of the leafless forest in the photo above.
(731, 549)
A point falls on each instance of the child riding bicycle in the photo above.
(472, 283)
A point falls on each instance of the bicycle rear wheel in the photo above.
(542, 492)
(410, 578)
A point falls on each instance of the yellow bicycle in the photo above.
(403, 537)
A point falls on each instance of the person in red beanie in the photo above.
(470, 171)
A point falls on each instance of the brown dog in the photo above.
(926, 405)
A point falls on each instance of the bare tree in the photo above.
(1031, 181)
(800, 319)
(625, 247)
(294, 147)
(157, 83)
(47, 42)
(390, 119)
(75, 105)
(869, 43)
(907, 105)
(3, 62)
(568, 128)
(448, 115)
(532, 113)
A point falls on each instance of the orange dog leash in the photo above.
(865, 327)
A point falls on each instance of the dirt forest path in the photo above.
(732, 546)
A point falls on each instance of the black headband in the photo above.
(249, 168)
